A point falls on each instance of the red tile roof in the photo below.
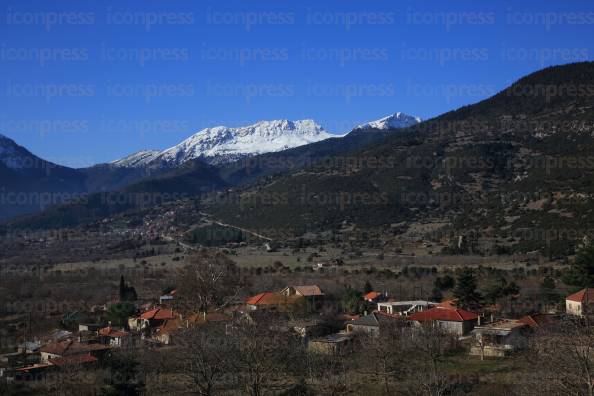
(270, 298)
(73, 360)
(443, 314)
(538, 320)
(584, 295)
(111, 332)
(372, 295)
(254, 300)
(451, 304)
(159, 314)
(307, 290)
(33, 367)
(70, 347)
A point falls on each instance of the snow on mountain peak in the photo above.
(395, 121)
(140, 158)
(224, 144)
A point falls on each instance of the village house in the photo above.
(115, 338)
(69, 348)
(17, 359)
(76, 361)
(303, 291)
(151, 319)
(338, 343)
(33, 372)
(87, 337)
(165, 334)
(273, 301)
(374, 323)
(311, 293)
(499, 338)
(580, 303)
(404, 307)
(307, 328)
(455, 321)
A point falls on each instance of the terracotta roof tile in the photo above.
(159, 314)
(111, 332)
(270, 298)
(69, 347)
(584, 295)
(451, 304)
(73, 360)
(372, 295)
(309, 290)
(443, 314)
(538, 320)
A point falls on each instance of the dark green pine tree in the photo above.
(547, 290)
(436, 295)
(122, 288)
(367, 288)
(581, 271)
(466, 290)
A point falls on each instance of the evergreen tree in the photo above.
(547, 290)
(444, 283)
(119, 313)
(367, 288)
(465, 291)
(500, 288)
(581, 272)
(127, 293)
(352, 300)
(436, 295)
(122, 288)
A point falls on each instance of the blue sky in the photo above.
(84, 82)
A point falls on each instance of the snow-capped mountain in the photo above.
(224, 144)
(395, 121)
(137, 159)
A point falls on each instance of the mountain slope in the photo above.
(29, 183)
(144, 172)
(518, 160)
(190, 180)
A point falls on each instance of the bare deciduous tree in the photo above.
(384, 358)
(208, 282)
(429, 344)
(263, 358)
(203, 358)
(565, 359)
